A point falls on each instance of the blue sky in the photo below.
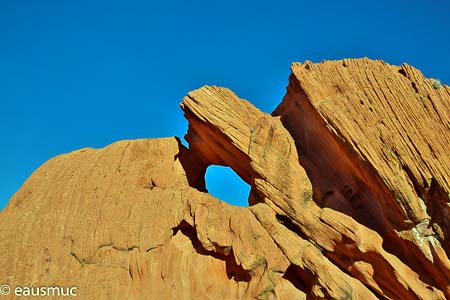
(82, 73)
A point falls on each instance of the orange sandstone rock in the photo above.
(349, 199)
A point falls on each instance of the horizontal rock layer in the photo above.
(349, 199)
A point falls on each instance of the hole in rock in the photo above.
(401, 71)
(301, 279)
(225, 184)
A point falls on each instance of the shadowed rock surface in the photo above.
(350, 187)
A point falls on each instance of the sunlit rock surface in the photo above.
(350, 185)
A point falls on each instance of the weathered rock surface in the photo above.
(350, 186)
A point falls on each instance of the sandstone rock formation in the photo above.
(350, 188)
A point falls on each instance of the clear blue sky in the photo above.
(82, 73)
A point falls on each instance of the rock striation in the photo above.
(350, 199)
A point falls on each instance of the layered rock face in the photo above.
(350, 187)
